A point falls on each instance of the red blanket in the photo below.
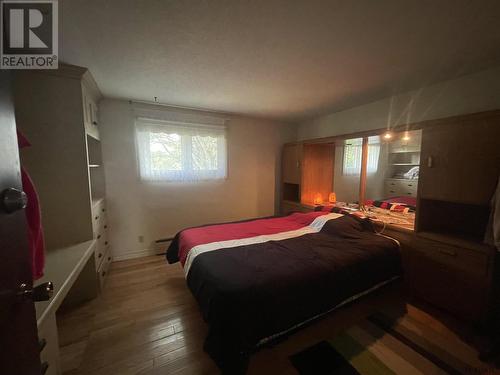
(190, 238)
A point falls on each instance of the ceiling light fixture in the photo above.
(406, 137)
(387, 135)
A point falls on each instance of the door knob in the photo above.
(13, 200)
(42, 292)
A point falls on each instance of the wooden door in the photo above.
(19, 348)
(292, 163)
(461, 161)
(317, 171)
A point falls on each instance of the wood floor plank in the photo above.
(147, 322)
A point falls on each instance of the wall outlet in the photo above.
(141, 239)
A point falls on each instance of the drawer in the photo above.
(401, 188)
(104, 267)
(98, 221)
(392, 184)
(468, 260)
(101, 248)
(107, 255)
(460, 293)
(409, 193)
(409, 185)
(98, 215)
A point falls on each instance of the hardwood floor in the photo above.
(147, 322)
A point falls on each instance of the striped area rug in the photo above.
(381, 345)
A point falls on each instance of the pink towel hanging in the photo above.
(33, 217)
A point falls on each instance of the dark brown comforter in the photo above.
(251, 292)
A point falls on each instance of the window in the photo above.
(351, 165)
(172, 151)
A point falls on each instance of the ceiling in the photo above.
(283, 59)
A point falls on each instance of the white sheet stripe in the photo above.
(314, 227)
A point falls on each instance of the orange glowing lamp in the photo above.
(318, 199)
(332, 197)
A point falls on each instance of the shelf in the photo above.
(62, 268)
(415, 164)
(402, 179)
(405, 152)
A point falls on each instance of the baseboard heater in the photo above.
(162, 244)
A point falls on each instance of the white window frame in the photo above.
(145, 126)
(356, 145)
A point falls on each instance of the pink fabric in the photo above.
(22, 141)
(388, 202)
(190, 238)
(33, 217)
(410, 201)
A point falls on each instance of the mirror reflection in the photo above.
(392, 176)
(347, 169)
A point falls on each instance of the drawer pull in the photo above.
(410, 185)
(105, 227)
(109, 258)
(451, 253)
(97, 217)
(105, 243)
(99, 255)
(42, 344)
(103, 210)
(98, 236)
(103, 273)
(45, 367)
(94, 123)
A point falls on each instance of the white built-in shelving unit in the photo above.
(57, 111)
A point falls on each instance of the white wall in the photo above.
(159, 210)
(468, 94)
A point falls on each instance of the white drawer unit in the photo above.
(100, 232)
(399, 187)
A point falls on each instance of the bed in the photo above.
(257, 280)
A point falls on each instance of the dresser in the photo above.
(400, 187)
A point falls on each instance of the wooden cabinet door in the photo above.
(461, 161)
(292, 163)
(90, 114)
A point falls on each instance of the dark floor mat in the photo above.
(322, 359)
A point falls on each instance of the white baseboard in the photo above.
(134, 254)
